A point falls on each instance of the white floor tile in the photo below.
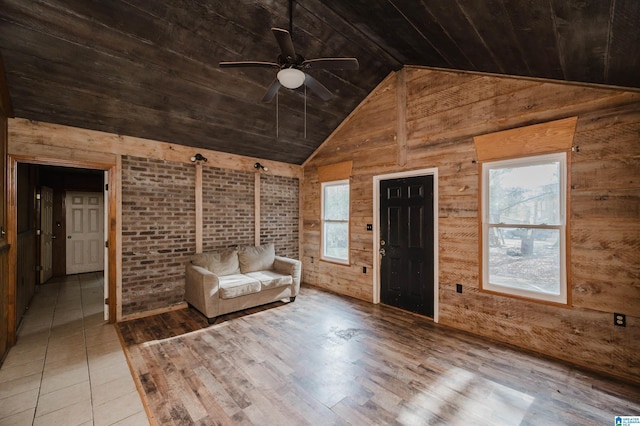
(68, 356)
(100, 376)
(15, 404)
(25, 354)
(24, 418)
(117, 409)
(138, 419)
(74, 414)
(63, 377)
(111, 390)
(20, 385)
(53, 401)
(111, 359)
(15, 372)
(68, 366)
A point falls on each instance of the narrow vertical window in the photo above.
(335, 221)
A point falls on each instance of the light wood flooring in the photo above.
(326, 359)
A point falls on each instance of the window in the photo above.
(335, 221)
(524, 227)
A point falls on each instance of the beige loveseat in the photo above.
(230, 280)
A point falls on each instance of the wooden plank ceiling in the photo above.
(150, 68)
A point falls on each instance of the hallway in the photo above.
(68, 366)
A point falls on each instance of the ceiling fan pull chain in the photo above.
(277, 117)
(305, 111)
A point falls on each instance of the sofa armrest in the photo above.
(201, 290)
(293, 267)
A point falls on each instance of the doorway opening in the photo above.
(415, 256)
(40, 227)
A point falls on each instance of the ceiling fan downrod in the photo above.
(291, 18)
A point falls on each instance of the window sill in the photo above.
(335, 262)
(526, 299)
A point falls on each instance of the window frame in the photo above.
(323, 256)
(563, 297)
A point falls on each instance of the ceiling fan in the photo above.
(292, 66)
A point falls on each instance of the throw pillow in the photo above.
(258, 258)
(221, 263)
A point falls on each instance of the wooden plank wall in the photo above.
(26, 279)
(39, 139)
(372, 148)
(444, 111)
(26, 243)
(6, 336)
(4, 301)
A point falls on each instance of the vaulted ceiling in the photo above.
(150, 68)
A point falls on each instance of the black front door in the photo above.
(406, 244)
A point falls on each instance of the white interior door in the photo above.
(85, 232)
(46, 233)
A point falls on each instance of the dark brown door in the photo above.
(406, 244)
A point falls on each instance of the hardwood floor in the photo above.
(327, 359)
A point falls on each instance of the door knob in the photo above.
(53, 237)
(383, 251)
(382, 243)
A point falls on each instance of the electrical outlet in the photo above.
(620, 320)
(369, 227)
(364, 269)
(458, 288)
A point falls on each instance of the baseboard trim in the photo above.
(158, 311)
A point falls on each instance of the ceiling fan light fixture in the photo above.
(291, 78)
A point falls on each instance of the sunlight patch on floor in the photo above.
(472, 399)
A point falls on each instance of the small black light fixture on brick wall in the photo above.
(260, 167)
(198, 157)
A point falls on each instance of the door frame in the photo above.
(376, 230)
(12, 227)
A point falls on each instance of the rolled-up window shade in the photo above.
(333, 172)
(553, 136)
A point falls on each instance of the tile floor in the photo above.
(68, 367)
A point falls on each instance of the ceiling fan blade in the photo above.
(317, 88)
(271, 91)
(284, 41)
(331, 63)
(248, 64)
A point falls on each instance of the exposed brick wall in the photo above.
(279, 214)
(228, 210)
(158, 232)
(158, 223)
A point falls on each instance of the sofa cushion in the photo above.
(224, 262)
(237, 285)
(271, 279)
(257, 258)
